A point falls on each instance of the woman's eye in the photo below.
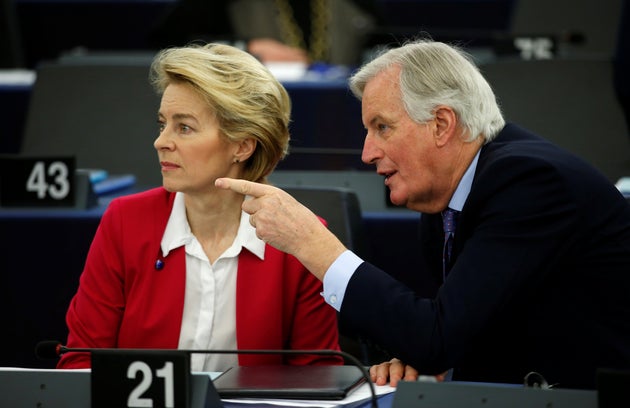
(185, 128)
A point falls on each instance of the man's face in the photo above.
(403, 151)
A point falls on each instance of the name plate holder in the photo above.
(151, 378)
(44, 182)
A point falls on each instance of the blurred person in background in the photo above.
(307, 31)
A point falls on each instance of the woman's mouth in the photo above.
(168, 166)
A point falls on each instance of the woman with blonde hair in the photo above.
(180, 266)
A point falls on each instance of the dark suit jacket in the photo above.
(540, 279)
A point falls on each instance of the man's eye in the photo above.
(161, 126)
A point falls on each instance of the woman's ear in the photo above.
(245, 149)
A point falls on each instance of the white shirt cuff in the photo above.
(337, 277)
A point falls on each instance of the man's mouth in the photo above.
(387, 175)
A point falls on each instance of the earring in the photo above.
(237, 161)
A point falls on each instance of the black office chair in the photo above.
(100, 110)
(341, 209)
(566, 100)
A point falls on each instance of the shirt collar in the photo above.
(178, 233)
(465, 184)
(246, 236)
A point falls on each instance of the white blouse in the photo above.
(209, 317)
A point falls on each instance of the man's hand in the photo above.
(395, 370)
(284, 223)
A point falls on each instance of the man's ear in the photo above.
(245, 149)
(445, 124)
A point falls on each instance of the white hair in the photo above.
(432, 74)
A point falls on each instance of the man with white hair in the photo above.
(531, 244)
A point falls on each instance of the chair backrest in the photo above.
(102, 111)
(568, 101)
(340, 208)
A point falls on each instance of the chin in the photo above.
(169, 187)
(397, 201)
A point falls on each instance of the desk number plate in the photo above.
(37, 181)
(138, 378)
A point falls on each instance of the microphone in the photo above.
(48, 349)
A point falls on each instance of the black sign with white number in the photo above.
(139, 378)
(37, 181)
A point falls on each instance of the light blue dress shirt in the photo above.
(339, 274)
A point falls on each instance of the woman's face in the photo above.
(191, 149)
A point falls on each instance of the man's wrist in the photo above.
(337, 277)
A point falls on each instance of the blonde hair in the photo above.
(247, 99)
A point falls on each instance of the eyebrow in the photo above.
(377, 118)
(178, 116)
(183, 116)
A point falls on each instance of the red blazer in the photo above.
(124, 301)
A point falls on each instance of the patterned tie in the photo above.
(449, 219)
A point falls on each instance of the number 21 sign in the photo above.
(140, 378)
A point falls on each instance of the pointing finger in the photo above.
(243, 186)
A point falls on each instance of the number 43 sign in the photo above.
(37, 181)
(138, 378)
